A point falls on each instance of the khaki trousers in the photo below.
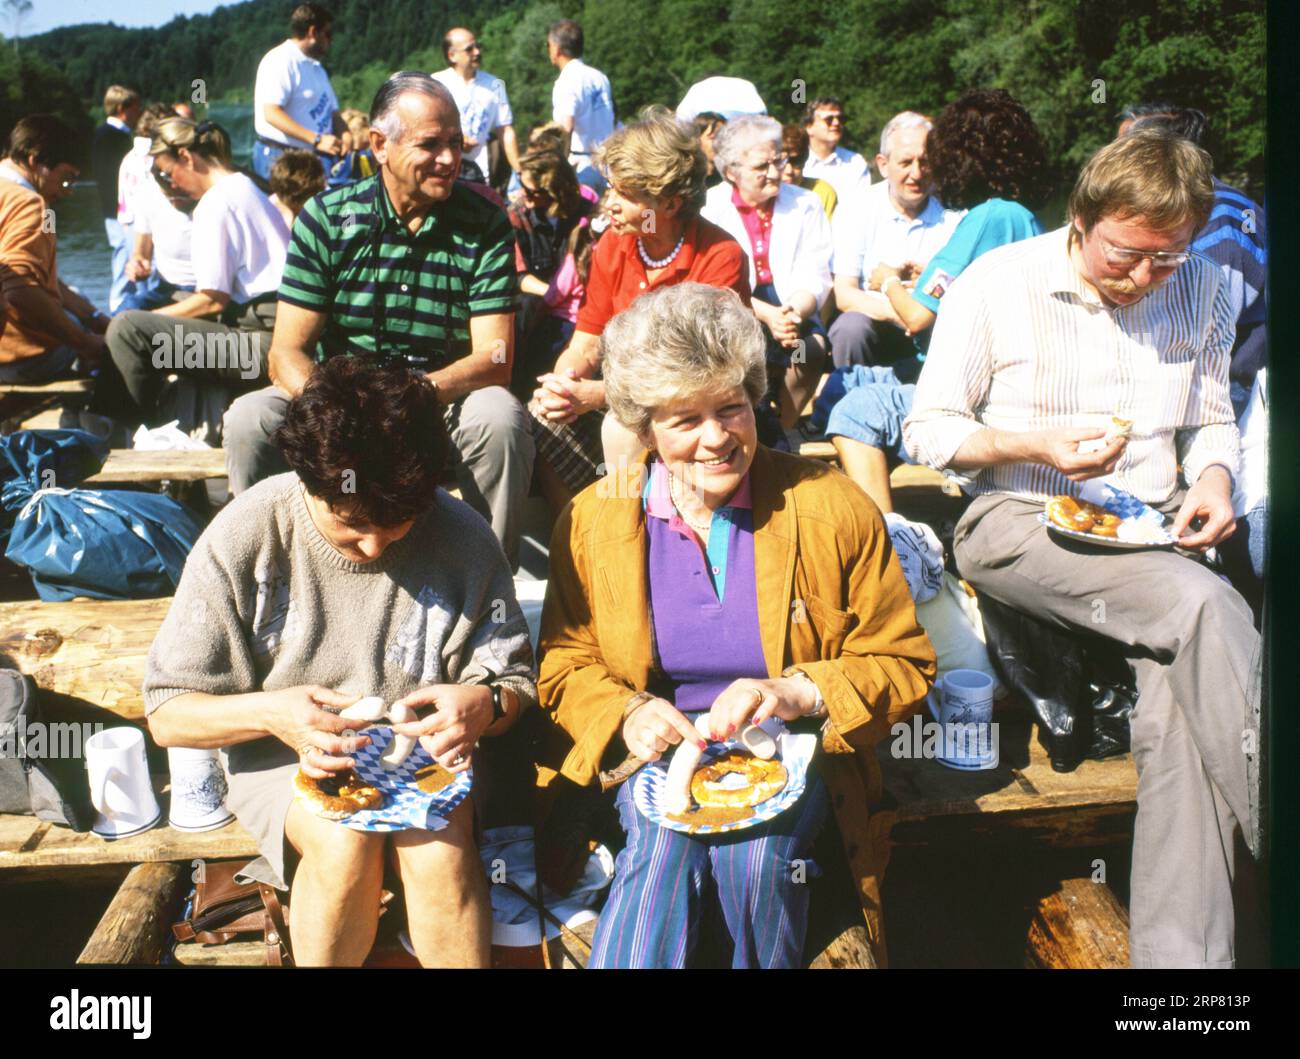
(1196, 658)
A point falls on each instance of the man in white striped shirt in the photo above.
(1038, 345)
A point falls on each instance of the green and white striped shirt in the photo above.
(406, 295)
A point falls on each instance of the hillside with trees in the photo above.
(1072, 62)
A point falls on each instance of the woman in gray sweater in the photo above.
(353, 575)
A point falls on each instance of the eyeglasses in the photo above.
(475, 46)
(533, 194)
(780, 161)
(1128, 258)
(831, 119)
(164, 179)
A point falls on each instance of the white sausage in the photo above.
(400, 748)
(371, 709)
(686, 758)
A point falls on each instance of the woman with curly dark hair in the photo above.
(353, 575)
(986, 156)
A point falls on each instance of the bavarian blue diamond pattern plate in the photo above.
(793, 751)
(1128, 507)
(405, 805)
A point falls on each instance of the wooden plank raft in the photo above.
(91, 649)
(125, 466)
(1021, 799)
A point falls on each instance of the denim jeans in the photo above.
(119, 241)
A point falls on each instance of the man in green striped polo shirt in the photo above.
(407, 265)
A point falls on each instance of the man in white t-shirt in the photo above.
(293, 101)
(581, 100)
(895, 222)
(481, 99)
(846, 171)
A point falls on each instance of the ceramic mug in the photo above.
(198, 792)
(962, 702)
(120, 788)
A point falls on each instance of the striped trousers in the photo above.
(663, 879)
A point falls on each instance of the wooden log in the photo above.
(59, 386)
(133, 466)
(231, 954)
(1080, 926)
(93, 650)
(135, 926)
(850, 950)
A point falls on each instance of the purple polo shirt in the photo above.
(706, 636)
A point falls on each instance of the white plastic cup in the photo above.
(120, 788)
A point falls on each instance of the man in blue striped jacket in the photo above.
(1234, 238)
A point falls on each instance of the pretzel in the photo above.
(336, 797)
(764, 780)
(1080, 516)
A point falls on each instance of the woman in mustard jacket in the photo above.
(715, 576)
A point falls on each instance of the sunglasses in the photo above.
(533, 194)
(831, 119)
(164, 180)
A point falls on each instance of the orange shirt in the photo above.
(618, 276)
(27, 259)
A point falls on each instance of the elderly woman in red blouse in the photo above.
(657, 238)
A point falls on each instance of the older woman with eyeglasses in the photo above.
(718, 581)
(785, 230)
(238, 246)
(656, 238)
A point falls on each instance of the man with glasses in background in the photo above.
(482, 102)
(50, 326)
(1039, 344)
(846, 171)
(293, 101)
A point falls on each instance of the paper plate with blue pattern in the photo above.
(793, 751)
(1137, 519)
(405, 806)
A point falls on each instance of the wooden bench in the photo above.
(131, 466)
(904, 477)
(94, 652)
(19, 401)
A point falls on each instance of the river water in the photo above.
(84, 257)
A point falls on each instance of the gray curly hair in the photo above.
(677, 342)
(733, 141)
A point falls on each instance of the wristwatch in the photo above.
(819, 707)
(316, 142)
(498, 705)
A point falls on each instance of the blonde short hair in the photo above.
(1153, 174)
(659, 157)
(358, 124)
(118, 98)
(677, 342)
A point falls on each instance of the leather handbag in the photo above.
(222, 909)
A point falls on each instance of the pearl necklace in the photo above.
(702, 530)
(650, 262)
